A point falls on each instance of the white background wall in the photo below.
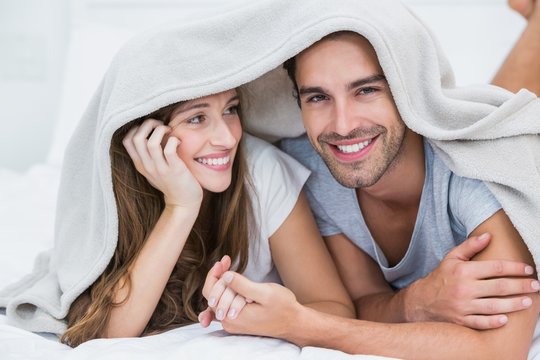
(43, 76)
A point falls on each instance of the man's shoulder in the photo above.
(300, 148)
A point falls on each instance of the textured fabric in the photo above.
(451, 207)
(480, 132)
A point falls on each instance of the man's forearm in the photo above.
(389, 307)
(409, 340)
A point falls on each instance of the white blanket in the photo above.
(481, 132)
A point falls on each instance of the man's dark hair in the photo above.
(290, 67)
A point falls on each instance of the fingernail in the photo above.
(503, 319)
(535, 285)
(219, 314)
(527, 302)
(232, 313)
(483, 237)
(199, 317)
(212, 301)
(227, 277)
(529, 270)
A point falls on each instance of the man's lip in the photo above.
(350, 157)
(351, 141)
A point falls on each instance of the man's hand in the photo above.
(476, 294)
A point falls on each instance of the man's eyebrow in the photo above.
(305, 90)
(311, 90)
(365, 81)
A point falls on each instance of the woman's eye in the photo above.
(233, 110)
(195, 120)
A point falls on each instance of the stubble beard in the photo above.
(366, 172)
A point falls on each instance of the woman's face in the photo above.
(209, 130)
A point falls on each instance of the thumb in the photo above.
(470, 247)
(206, 317)
(243, 286)
(225, 263)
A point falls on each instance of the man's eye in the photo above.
(367, 90)
(316, 98)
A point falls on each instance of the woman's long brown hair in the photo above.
(221, 228)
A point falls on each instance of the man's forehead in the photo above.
(345, 53)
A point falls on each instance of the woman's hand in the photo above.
(154, 154)
(222, 301)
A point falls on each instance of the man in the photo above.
(353, 124)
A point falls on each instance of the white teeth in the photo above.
(214, 161)
(348, 149)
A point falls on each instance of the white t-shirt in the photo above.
(277, 181)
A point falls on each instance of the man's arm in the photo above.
(450, 293)
(275, 312)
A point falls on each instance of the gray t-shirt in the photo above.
(451, 207)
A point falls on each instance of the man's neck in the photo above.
(401, 186)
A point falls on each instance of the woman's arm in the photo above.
(305, 265)
(151, 269)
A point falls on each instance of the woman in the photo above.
(189, 189)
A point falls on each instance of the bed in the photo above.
(28, 201)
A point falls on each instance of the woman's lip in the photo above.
(208, 161)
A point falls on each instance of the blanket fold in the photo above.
(481, 132)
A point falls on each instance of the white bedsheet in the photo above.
(190, 342)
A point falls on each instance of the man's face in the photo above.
(348, 110)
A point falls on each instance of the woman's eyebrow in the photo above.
(182, 109)
(234, 98)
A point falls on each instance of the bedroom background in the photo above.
(54, 53)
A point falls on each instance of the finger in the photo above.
(206, 317)
(481, 322)
(211, 278)
(130, 148)
(140, 141)
(470, 247)
(485, 269)
(171, 154)
(226, 263)
(225, 301)
(245, 287)
(236, 306)
(500, 306)
(216, 293)
(155, 150)
(505, 287)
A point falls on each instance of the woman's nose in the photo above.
(223, 135)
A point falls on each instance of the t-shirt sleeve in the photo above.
(326, 226)
(278, 180)
(471, 203)
(301, 149)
